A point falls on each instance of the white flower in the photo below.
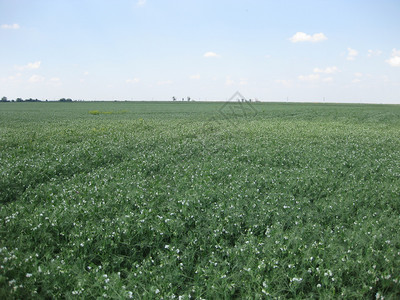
(28, 275)
(11, 282)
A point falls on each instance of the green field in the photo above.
(201, 200)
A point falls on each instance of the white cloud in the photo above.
(86, 73)
(211, 54)
(55, 79)
(133, 80)
(303, 37)
(29, 66)
(10, 26)
(394, 60)
(358, 74)
(267, 56)
(352, 53)
(141, 2)
(356, 80)
(374, 53)
(395, 52)
(195, 76)
(311, 77)
(328, 70)
(34, 65)
(36, 78)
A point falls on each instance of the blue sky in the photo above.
(345, 51)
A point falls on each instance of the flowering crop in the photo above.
(166, 201)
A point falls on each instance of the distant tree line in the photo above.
(183, 99)
(4, 99)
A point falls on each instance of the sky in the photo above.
(311, 51)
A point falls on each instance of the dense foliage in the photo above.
(201, 200)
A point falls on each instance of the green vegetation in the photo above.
(96, 112)
(199, 199)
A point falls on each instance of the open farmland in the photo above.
(201, 200)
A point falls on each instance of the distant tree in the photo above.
(19, 100)
(65, 100)
(173, 98)
(4, 99)
(188, 98)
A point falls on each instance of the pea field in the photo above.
(190, 200)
